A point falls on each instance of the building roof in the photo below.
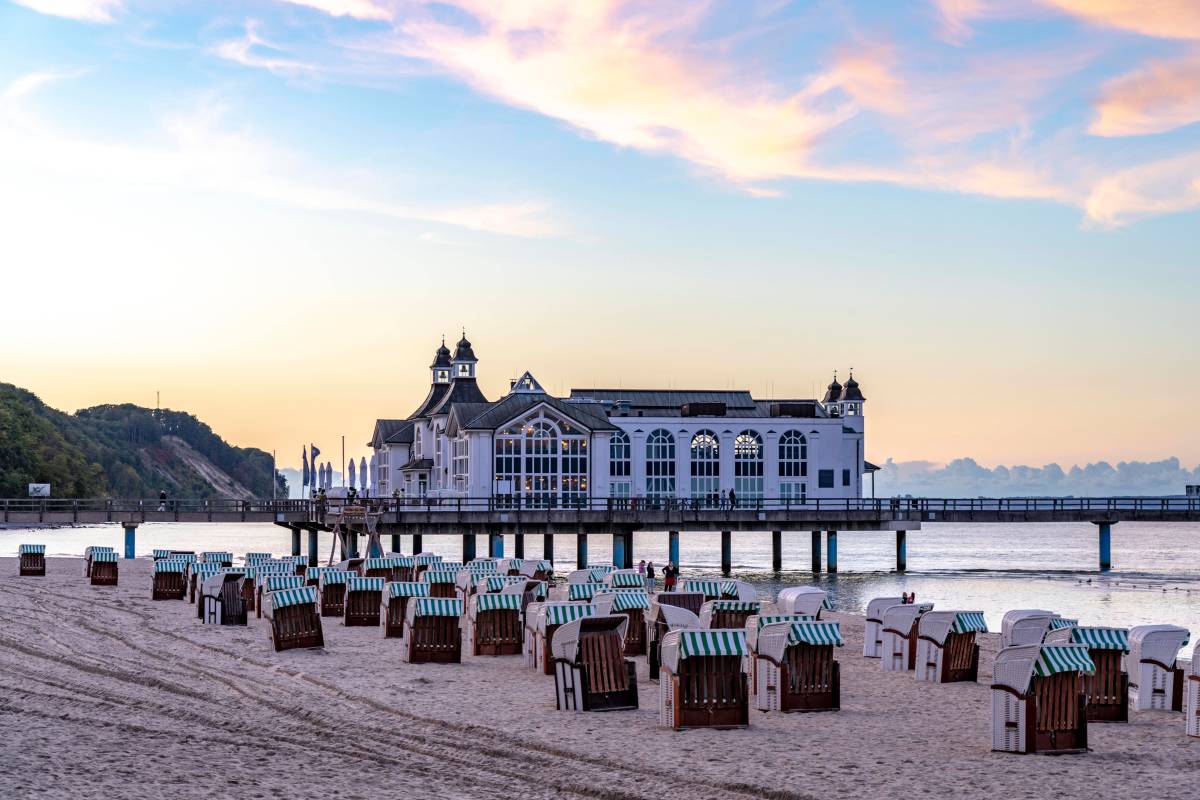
(869, 467)
(833, 392)
(403, 434)
(437, 392)
(385, 429)
(461, 390)
(463, 351)
(664, 399)
(442, 357)
(496, 415)
(418, 464)
(851, 391)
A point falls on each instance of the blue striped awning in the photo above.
(1054, 658)
(190, 558)
(280, 567)
(712, 588)
(158, 553)
(273, 583)
(498, 602)
(968, 622)
(816, 633)
(297, 561)
(215, 556)
(735, 605)
(439, 576)
(408, 589)
(1101, 638)
(772, 619)
(382, 563)
(249, 572)
(313, 573)
(448, 566)
(627, 579)
(581, 591)
(711, 643)
(483, 567)
(543, 566)
(95, 549)
(426, 559)
(359, 584)
(170, 565)
(627, 601)
(104, 555)
(497, 582)
(561, 615)
(254, 558)
(335, 576)
(29, 549)
(294, 597)
(438, 607)
(1058, 623)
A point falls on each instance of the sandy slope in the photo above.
(110, 694)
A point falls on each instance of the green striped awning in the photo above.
(404, 561)
(816, 633)
(626, 601)
(1058, 623)
(561, 615)
(335, 576)
(711, 643)
(104, 555)
(515, 563)
(627, 579)
(729, 588)
(187, 557)
(275, 568)
(498, 602)
(426, 559)
(408, 589)
(1101, 638)
(294, 597)
(296, 561)
(95, 549)
(711, 588)
(735, 605)
(1055, 658)
(497, 582)
(382, 563)
(543, 566)
(483, 567)
(969, 621)
(249, 572)
(158, 553)
(273, 583)
(203, 570)
(215, 556)
(439, 576)
(170, 565)
(357, 583)
(438, 607)
(312, 573)
(827, 603)
(254, 558)
(581, 591)
(31, 549)
(772, 619)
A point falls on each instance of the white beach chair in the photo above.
(661, 618)
(543, 621)
(1025, 626)
(1038, 701)
(591, 672)
(795, 667)
(1155, 679)
(1191, 692)
(899, 648)
(807, 600)
(946, 648)
(873, 630)
(702, 680)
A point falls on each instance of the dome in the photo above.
(463, 351)
(851, 392)
(833, 392)
(442, 357)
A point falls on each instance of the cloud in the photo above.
(252, 50)
(1159, 97)
(83, 10)
(1167, 19)
(1158, 187)
(358, 9)
(31, 83)
(965, 477)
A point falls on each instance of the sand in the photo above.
(109, 694)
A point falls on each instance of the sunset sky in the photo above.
(272, 211)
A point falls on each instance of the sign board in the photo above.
(39, 490)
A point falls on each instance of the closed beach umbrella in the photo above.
(362, 474)
(374, 468)
(350, 473)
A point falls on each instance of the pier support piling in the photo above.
(816, 552)
(831, 554)
(548, 547)
(131, 540)
(901, 551)
(312, 547)
(495, 545)
(1105, 545)
(352, 541)
(777, 551)
(726, 552)
(396, 543)
(623, 549)
(519, 545)
(417, 546)
(581, 555)
(295, 541)
(673, 547)
(468, 547)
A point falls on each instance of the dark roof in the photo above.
(869, 467)
(833, 392)
(461, 413)
(442, 357)
(419, 464)
(462, 390)
(851, 391)
(403, 434)
(384, 428)
(514, 405)
(463, 351)
(646, 399)
(436, 394)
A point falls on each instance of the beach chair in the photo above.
(582, 592)
(312, 576)
(1107, 690)
(88, 552)
(692, 601)
(754, 624)
(1192, 695)
(738, 590)
(795, 669)
(395, 605)
(900, 636)
(543, 621)
(633, 603)
(702, 680)
(510, 566)
(432, 633)
(252, 559)
(662, 617)
(1155, 679)
(709, 587)
(363, 601)
(494, 624)
(530, 591)
(31, 560)
(579, 576)
(727, 613)
(103, 569)
(196, 573)
(946, 648)
(222, 599)
(873, 629)
(1038, 701)
(624, 579)
(258, 577)
(168, 582)
(1025, 626)
(591, 672)
(218, 557)
(428, 561)
(806, 600)
(299, 564)
(390, 569)
(333, 591)
(540, 570)
(295, 618)
(442, 583)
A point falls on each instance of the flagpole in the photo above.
(273, 473)
(343, 462)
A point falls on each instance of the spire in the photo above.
(833, 392)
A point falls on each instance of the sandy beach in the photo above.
(109, 694)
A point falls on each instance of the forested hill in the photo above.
(121, 451)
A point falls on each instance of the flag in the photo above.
(304, 456)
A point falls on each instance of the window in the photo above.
(464, 370)
(541, 464)
(845, 477)
(748, 466)
(793, 455)
(660, 464)
(461, 463)
(619, 452)
(706, 467)
(541, 461)
(791, 492)
(825, 478)
(443, 376)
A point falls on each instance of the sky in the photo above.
(271, 211)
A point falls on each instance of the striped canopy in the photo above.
(543, 566)
(711, 643)
(497, 582)
(1101, 638)
(169, 565)
(827, 603)
(448, 566)
(299, 561)
(494, 602)
(32, 548)
(408, 589)
(104, 555)
(438, 576)
(437, 607)
(483, 567)
(515, 563)
(249, 572)
(279, 567)
(603, 569)
(426, 559)
(294, 597)
(312, 573)
(273, 583)
(702, 585)
(187, 557)
(383, 563)
(205, 569)
(562, 614)
(628, 579)
(357, 583)
(1058, 623)
(160, 553)
(581, 591)
(215, 556)
(626, 601)
(335, 576)
(254, 558)
(729, 588)
(404, 561)
(968, 621)
(816, 633)
(1054, 658)
(94, 549)
(771, 619)
(735, 605)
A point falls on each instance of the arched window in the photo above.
(793, 467)
(620, 467)
(706, 467)
(660, 464)
(748, 467)
(541, 463)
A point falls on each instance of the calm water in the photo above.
(1156, 576)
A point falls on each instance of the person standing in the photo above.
(650, 577)
(162, 500)
(732, 499)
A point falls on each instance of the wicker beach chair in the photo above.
(727, 613)
(333, 591)
(807, 600)
(494, 624)
(432, 632)
(946, 648)
(591, 672)
(1025, 626)
(427, 561)
(899, 633)
(702, 680)
(692, 601)
(543, 621)
(388, 568)
(103, 568)
(538, 570)
(222, 598)
(662, 617)
(218, 557)
(795, 669)
(168, 582)
(295, 620)
(396, 597)
(582, 592)
(31, 560)
(196, 573)
(624, 579)
(1107, 690)
(754, 624)
(1155, 677)
(1038, 700)
(88, 553)
(709, 587)
(442, 582)
(363, 602)
(269, 569)
(633, 603)
(873, 629)
(1191, 693)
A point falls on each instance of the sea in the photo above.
(986, 567)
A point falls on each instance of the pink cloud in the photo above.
(1161, 96)
(83, 10)
(1167, 19)
(1159, 187)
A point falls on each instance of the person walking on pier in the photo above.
(732, 499)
